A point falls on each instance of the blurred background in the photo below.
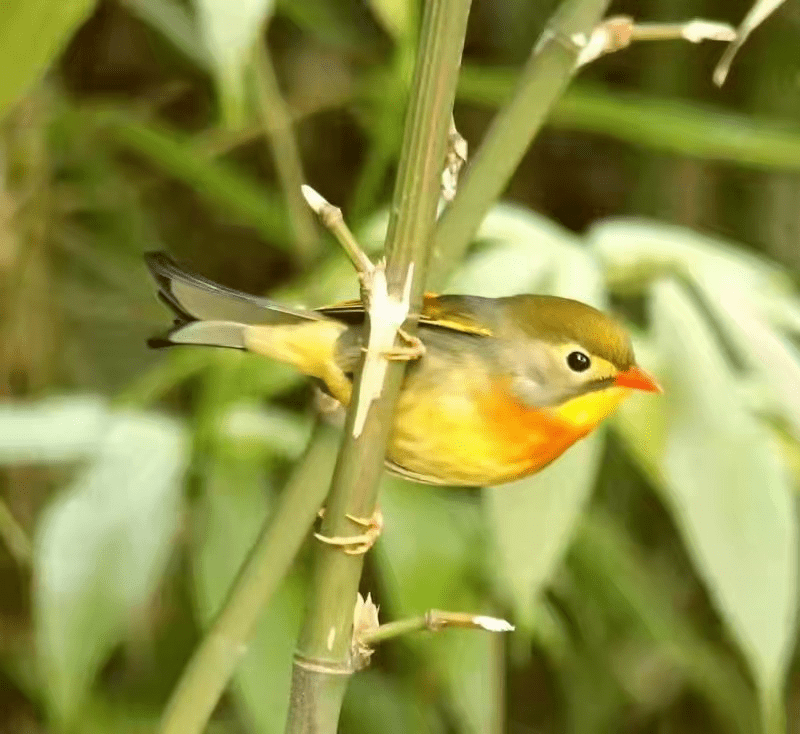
(651, 572)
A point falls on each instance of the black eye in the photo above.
(578, 361)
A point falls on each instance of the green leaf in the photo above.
(377, 703)
(634, 252)
(32, 35)
(612, 578)
(218, 182)
(52, 430)
(100, 550)
(706, 133)
(428, 556)
(730, 494)
(230, 31)
(757, 14)
(533, 521)
(282, 432)
(772, 357)
(394, 16)
(173, 22)
(234, 508)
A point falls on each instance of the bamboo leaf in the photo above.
(394, 16)
(234, 509)
(229, 31)
(771, 356)
(533, 521)
(100, 550)
(53, 430)
(173, 22)
(32, 35)
(757, 14)
(730, 495)
(634, 252)
(707, 133)
(218, 182)
(429, 551)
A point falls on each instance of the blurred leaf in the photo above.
(377, 703)
(704, 132)
(342, 25)
(429, 556)
(218, 182)
(229, 31)
(394, 16)
(757, 14)
(767, 352)
(281, 431)
(533, 521)
(100, 550)
(173, 22)
(430, 542)
(723, 478)
(52, 430)
(235, 507)
(613, 579)
(633, 252)
(32, 35)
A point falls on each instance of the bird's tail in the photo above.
(210, 314)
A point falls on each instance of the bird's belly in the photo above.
(474, 439)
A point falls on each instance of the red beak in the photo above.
(636, 378)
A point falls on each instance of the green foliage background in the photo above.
(651, 572)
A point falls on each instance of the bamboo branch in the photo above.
(434, 620)
(323, 661)
(547, 73)
(214, 662)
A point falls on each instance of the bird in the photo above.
(502, 386)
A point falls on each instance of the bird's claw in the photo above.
(356, 545)
(413, 349)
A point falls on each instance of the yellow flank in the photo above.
(586, 411)
(441, 438)
(308, 346)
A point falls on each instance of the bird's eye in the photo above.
(578, 361)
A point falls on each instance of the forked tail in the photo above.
(210, 314)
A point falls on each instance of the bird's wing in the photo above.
(195, 298)
(444, 312)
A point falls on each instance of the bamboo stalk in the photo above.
(549, 69)
(324, 662)
(213, 663)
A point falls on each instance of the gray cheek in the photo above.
(534, 394)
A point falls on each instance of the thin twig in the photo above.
(331, 217)
(620, 31)
(434, 620)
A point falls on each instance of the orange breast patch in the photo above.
(526, 438)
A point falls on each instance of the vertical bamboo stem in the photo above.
(323, 662)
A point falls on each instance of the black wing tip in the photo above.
(160, 342)
(160, 264)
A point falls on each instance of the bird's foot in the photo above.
(411, 350)
(355, 545)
